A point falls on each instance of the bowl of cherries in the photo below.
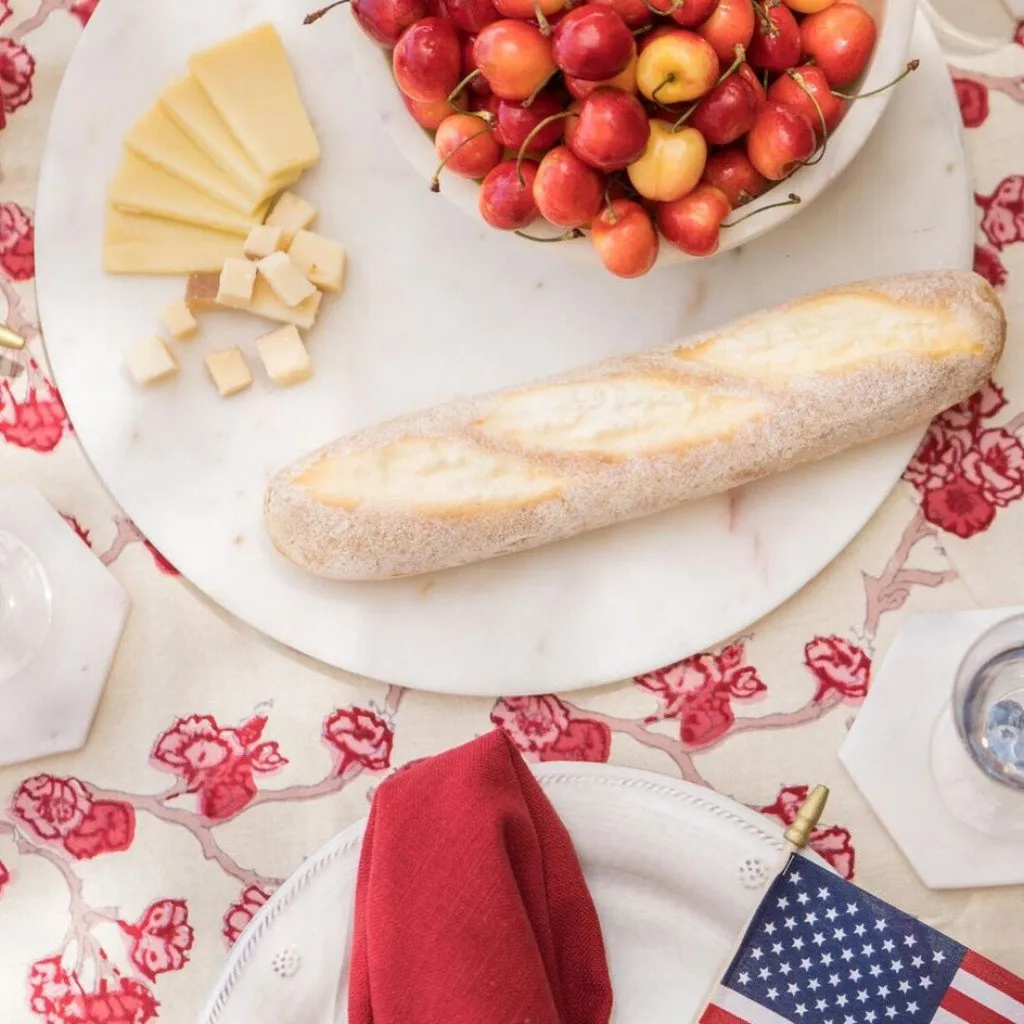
(642, 132)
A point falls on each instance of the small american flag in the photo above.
(822, 951)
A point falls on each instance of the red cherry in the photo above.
(477, 83)
(693, 223)
(429, 115)
(580, 88)
(840, 40)
(776, 42)
(611, 130)
(525, 11)
(469, 15)
(656, 33)
(592, 42)
(731, 171)
(567, 192)
(427, 60)
(730, 24)
(635, 13)
(515, 58)
(691, 12)
(781, 139)
(625, 239)
(749, 75)
(384, 21)
(727, 112)
(515, 122)
(466, 146)
(505, 203)
(786, 89)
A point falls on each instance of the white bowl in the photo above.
(895, 26)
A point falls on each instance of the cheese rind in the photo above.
(135, 244)
(320, 259)
(291, 213)
(229, 371)
(249, 81)
(289, 284)
(284, 356)
(139, 187)
(179, 321)
(237, 280)
(150, 361)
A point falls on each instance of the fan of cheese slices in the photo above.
(204, 190)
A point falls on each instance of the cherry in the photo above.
(808, 6)
(611, 130)
(474, 82)
(526, 10)
(635, 13)
(506, 201)
(656, 33)
(625, 238)
(689, 13)
(776, 42)
(429, 115)
(840, 40)
(465, 146)
(747, 73)
(672, 163)
(567, 191)
(731, 171)
(469, 15)
(593, 43)
(515, 122)
(579, 88)
(731, 24)
(514, 57)
(806, 89)
(693, 223)
(676, 67)
(780, 140)
(383, 21)
(427, 60)
(727, 112)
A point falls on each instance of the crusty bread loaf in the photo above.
(540, 462)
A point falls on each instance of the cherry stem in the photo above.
(793, 200)
(540, 88)
(612, 215)
(542, 22)
(671, 9)
(909, 69)
(762, 10)
(317, 15)
(667, 80)
(567, 236)
(435, 181)
(820, 153)
(457, 91)
(520, 156)
(741, 56)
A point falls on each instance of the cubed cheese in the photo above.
(289, 284)
(228, 371)
(179, 321)
(291, 213)
(284, 356)
(201, 294)
(320, 259)
(237, 279)
(150, 361)
(263, 240)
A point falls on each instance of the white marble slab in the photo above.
(439, 305)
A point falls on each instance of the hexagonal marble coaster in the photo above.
(47, 705)
(955, 825)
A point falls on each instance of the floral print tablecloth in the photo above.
(217, 762)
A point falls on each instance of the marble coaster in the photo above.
(905, 756)
(48, 704)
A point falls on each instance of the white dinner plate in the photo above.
(675, 871)
(438, 305)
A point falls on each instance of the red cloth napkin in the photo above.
(471, 907)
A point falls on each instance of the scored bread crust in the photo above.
(639, 433)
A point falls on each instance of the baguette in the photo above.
(633, 435)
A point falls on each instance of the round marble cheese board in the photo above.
(438, 305)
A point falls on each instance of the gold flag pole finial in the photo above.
(798, 835)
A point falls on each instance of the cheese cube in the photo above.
(263, 240)
(237, 279)
(284, 356)
(320, 259)
(229, 371)
(291, 213)
(289, 284)
(150, 361)
(179, 321)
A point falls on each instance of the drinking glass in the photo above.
(26, 605)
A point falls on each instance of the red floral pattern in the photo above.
(17, 68)
(699, 692)
(1003, 220)
(973, 99)
(17, 242)
(161, 563)
(83, 9)
(839, 667)
(37, 421)
(534, 724)
(58, 997)
(832, 844)
(162, 939)
(5, 877)
(216, 763)
(242, 912)
(83, 533)
(359, 736)
(988, 264)
(5, 10)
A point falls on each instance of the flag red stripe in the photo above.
(994, 975)
(716, 1015)
(971, 1010)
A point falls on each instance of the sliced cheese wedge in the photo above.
(134, 244)
(139, 187)
(159, 141)
(202, 289)
(190, 108)
(250, 82)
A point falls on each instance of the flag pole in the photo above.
(797, 837)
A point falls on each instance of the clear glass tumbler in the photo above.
(26, 605)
